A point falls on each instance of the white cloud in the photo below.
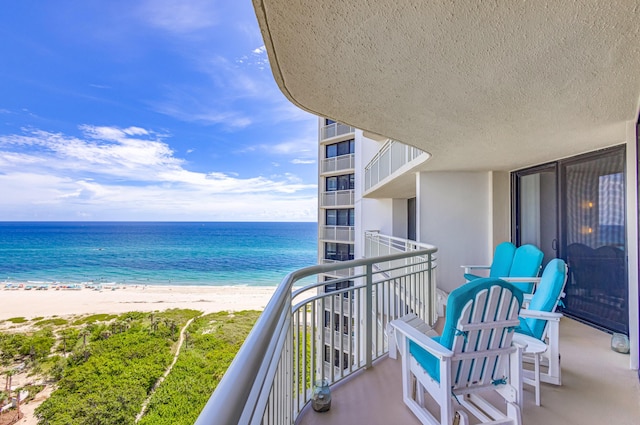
(179, 16)
(304, 148)
(303, 161)
(114, 173)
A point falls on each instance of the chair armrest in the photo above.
(468, 268)
(537, 314)
(535, 280)
(421, 339)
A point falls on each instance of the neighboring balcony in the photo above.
(337, 163)
(344, 272)
(337, 198)
(338, 233)
(334, 130)
(390, 173)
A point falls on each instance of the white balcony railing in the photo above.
(388, 160)
(337, 198)
(377, 244)
(270, 379)
(334, 130)
(338, 233)
(338, 163)
(343, 272)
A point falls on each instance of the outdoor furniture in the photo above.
(474, 355)
(514, 263)
(526, 263)
(539, 327)
(501, 265)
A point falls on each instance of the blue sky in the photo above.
(147, 110)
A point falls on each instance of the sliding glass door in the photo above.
(575, 209)
(536, 209)
(595, 239)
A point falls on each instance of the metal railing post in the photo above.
(368, 342)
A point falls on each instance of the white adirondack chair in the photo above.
(473, 355)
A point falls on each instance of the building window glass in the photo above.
(341, 148)
(327, 121)
(331, 150)
(340, 217)
(338, 251)
(345, 361)
(342, 182)
(336, 286)
(332, 184)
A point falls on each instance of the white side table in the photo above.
(534, 347)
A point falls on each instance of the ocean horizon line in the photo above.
(155, 221)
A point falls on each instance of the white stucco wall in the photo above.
(501, 205)
(454, 214)
(399, 207)
(370, 214)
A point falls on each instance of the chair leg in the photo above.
(553, 354)
(461, 418)
(514, 413)
(536, 377)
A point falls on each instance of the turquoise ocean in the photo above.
(155, 253)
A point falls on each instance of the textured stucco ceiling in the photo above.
(479, 85)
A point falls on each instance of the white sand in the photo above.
(208, 299)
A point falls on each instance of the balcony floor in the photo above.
(598, 388)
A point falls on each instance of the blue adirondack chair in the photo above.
(473, 356)
(539, 327)
(501, 265)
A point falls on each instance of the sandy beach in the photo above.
(208, 299)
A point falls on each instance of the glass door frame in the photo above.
(515, 198)
(560, 167)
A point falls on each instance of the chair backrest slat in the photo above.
(471, 337)
(484, 324)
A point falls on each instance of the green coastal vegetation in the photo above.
(108, 369)
(212, 343)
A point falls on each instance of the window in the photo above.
(336, 357)
(342, 182)
(345, 361)
(327, 121)
(336, 286)
(340, 217)
(331, 151)
(338, 251)
(341, 148)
